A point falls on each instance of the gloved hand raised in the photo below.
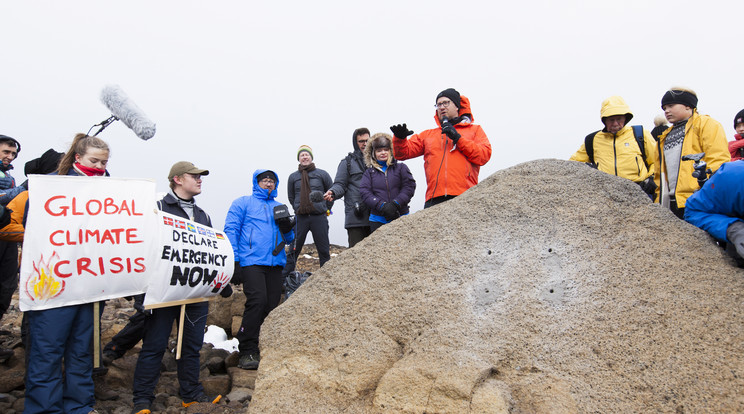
(390, 211)
(6, 183)
(449, 130)
(285, 225)
(401, 131)
(735, 234)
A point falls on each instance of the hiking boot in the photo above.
(104, 394)
(202, 398)
(141, 408)
(249, 361)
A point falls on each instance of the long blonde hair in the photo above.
(80, 145)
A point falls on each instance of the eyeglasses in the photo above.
(443, 104)
(196, 177)
(267, 181)
(362, 141)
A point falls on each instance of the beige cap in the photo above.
(185, 167)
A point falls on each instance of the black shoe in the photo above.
(249, 361)
(141, 408)
(202, 398)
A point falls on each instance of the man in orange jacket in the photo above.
(453, 152)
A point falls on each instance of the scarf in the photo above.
(186, 205)
(90, 172)
(306, 207)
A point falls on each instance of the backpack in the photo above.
(637, 132)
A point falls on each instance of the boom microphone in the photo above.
(122, 108)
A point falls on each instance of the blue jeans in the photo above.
(158, 327)
(54, 334)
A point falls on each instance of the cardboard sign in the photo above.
(194, 261)
(87, 239)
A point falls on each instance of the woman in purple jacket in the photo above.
(387, 185)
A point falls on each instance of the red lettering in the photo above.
(59, 272)
(100, 265)
(140, 262)
(82, 264)
(129, 265)
(124, 208)
(107, 236)
(109, 206)
(74, 208)
(51, 238)
(62, 210)
(117, 233)
(67, 239)
(134, 213)
(116, 261)
(88, 207)
(131, 236)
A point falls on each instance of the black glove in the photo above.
(401, 131)
(236, 277)
(648, 186)
(735, 234)
(449, 130)
(285, 224)
(389, 211)
(226, 291)
(360, 210)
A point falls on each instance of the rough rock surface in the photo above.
(549, 287)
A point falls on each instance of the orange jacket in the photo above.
(13, 232)
(449, 170)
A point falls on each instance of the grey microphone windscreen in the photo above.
(316, 196)
(127, 111)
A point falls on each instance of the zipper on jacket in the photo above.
(614, 150)
(638, 166)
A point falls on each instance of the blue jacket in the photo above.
(251, 229)
(720, 202)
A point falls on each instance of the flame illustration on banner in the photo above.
(222, 280)
(42, 285)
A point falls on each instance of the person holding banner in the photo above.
(185, 183)
(258, 239)
(65, 332)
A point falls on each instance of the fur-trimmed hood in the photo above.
(378, 140)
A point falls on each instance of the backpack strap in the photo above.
(589, 146)
(638, 133)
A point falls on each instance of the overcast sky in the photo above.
(239, 85)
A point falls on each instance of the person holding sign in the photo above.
(185, 183)
(65, 332)
(258, 239)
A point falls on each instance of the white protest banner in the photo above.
(86, 239)
(194, 261)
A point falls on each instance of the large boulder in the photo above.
(550, 287)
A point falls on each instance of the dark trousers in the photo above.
(131, 334)
(316, 224)
(357, 234)
(374, 225)
(8, 273)
(57, 334)
(679, 212)
(158, 327)
(262, 286)
(437, 200)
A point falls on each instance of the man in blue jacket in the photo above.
(258, 243)
(718, 207)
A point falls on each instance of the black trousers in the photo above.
(262, 286)
(437, 200)
(318, 225)
(357, 234)
(8, 274)
(132, 333)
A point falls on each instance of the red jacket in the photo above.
(449, 170)
(736, 148)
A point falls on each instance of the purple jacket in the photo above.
(394, 185)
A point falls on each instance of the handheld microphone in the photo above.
(316, 196)
(124, 109)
